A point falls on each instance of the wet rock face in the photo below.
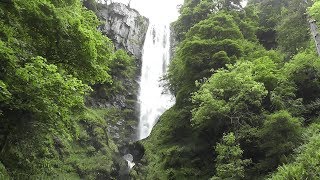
(124, 26)
(127, 29)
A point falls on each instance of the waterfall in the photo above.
(153, 98)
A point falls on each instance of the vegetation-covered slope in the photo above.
(50, 54)
(246, 82)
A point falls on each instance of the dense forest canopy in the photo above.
(51, 53)
(246, 82)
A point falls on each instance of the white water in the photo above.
(129, 159)
(152, 97)
(153, 100)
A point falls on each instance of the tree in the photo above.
(280, 135)
(68, 40)
(228, 99)
(236, 85)
(209, 45)
(50, 54)
(269, 17)
(293, 28)
(306, 159)
(42, 90)
(230, 164)
(304, 71)
(193, 12)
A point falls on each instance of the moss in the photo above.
(51, 51)
(45, 153)
(3, 172)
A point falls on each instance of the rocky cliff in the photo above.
(127, 29)
(124, 26)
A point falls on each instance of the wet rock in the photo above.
(124, 26)
(127, 29)
(135, 149)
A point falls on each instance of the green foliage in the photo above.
(280, 135)
(51, 155)
(293, 29)
(3, 172)
(5, 94)
(229, 163)
(225, 81)
(62, 33)
(314, 10)
(229, 98)
(303, 71)
(218, 27)
(209, 45)
(248, 21)
(193, 12)
(306, 163)
(93, 152)
(283, 24)
(122, 65)
(269, 11)
(50, 54)
(51, 95)
(265, 70)
(174, 145)
(269, 16)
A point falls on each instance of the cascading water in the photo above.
(153, 98)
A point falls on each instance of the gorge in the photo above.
(150, 89)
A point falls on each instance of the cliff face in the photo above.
(127, 29)
(124, 26)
